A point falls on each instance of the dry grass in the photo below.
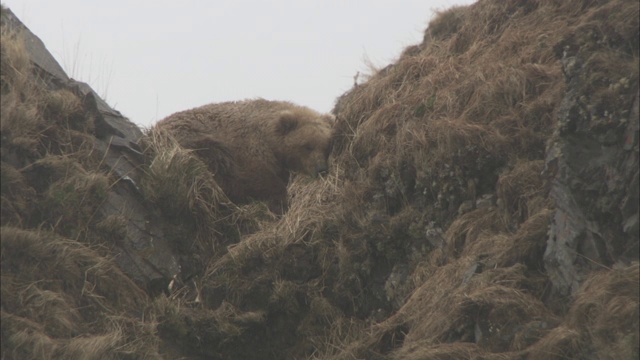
(62, 299)
(600, 321)
(464, 114)
(16, 82)
(522, 191)
(426, 240)
(180, 184)
(62, 295)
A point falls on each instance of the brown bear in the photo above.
(252, 146)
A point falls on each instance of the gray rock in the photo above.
(142, 252)
(594, 182)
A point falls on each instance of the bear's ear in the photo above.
(286, 123)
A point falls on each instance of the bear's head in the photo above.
(303, 140)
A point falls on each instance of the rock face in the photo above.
(592, 158)
(142, 252)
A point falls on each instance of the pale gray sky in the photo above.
(149, 59)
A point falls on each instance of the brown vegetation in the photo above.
(62, 295)
(426, 240)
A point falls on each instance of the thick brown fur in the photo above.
(252, 146)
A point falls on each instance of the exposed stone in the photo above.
(142, 253)
(486, 201)
(594, 173)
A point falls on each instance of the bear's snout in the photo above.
(322, 169)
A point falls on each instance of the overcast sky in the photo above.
(149, 59)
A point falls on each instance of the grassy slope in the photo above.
(62, 296)
(426, 241)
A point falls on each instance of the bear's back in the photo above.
(252, 146)
(227, 120)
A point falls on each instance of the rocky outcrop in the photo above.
(142, 251)
(592, 159)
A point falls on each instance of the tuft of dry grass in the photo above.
(59, 297)
(36, 121)
(180, 184)
(600, 320)
(19, 119)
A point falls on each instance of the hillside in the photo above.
(482, 203)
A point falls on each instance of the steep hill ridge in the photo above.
(482, 204)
